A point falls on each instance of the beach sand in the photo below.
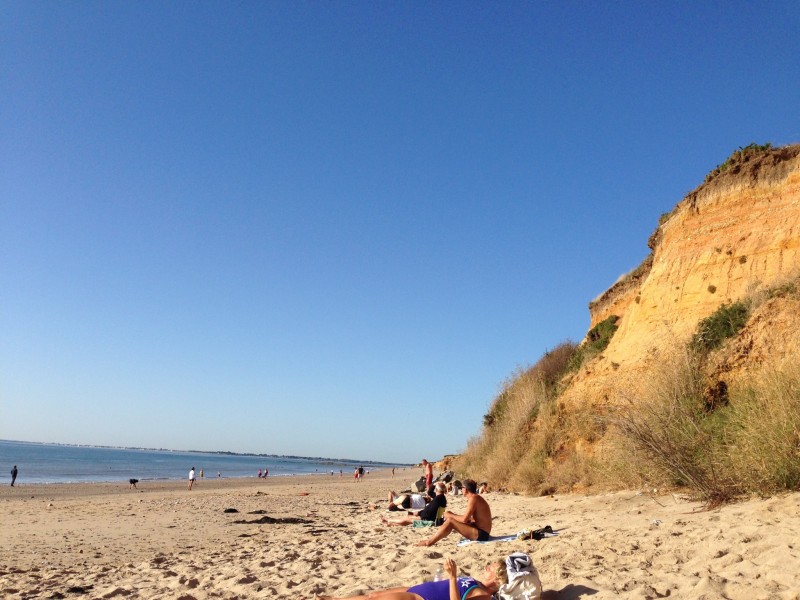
(162, 541)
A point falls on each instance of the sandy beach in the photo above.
(322, 536)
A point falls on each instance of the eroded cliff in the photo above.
(736, 233)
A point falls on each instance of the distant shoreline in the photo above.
(319, 459)
(57, 463)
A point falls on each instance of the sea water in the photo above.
(55, 463)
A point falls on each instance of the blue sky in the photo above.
(335, 228)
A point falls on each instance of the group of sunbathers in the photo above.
(425, 510)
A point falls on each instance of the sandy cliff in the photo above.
(736, 233)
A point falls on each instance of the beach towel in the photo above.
(523, 579)
(492, 538)
(525, 534)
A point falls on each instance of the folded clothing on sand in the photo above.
(536, 534)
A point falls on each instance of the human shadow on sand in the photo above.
(265, 520)
(569, 592)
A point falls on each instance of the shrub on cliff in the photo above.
(738, 156)
(724, 323)
(597, 340)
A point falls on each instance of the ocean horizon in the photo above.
(40, 462)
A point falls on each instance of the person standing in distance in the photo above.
(428, 473)
(13, 475)
(191, 478)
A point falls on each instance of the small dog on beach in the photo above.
(133, 482)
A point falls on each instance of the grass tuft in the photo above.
(597, 340)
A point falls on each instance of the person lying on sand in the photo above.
(465, 588)
(407, 501)
(427, 514)
(474, 524)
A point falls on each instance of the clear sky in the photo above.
(335, 228)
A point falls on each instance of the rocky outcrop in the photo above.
(736, 233)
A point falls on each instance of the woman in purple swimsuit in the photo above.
(452, 588)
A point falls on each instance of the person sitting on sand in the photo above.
(427, 516)
(474, 524)
(465, 588)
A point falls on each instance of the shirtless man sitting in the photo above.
(474, 524)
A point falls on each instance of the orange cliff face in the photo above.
(734, 234)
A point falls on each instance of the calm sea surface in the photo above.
(53, 463)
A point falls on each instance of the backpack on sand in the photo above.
(523, 579)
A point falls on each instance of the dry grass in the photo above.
(668, 426)
(520, 428)
(669, 436)
(663, 433)
(765, 432)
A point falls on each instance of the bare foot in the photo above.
(423, 543)
(384, 520)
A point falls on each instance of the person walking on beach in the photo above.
(191, 478)
(13, 475)
(475, 524)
